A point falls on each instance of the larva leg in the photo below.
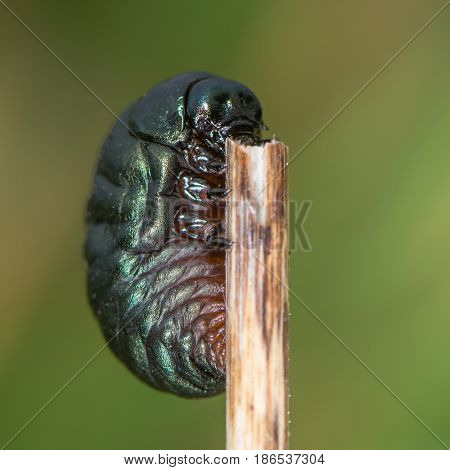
(219, 243)
(200, 190)
(204, 161)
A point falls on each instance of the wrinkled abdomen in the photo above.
(158, 293)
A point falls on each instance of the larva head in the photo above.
(220, 108)
(159, 116)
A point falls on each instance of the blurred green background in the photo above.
(378, 273)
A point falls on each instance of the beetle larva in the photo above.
(155, 242)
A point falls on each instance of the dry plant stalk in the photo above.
(256, 296)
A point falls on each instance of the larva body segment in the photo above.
(155, 230)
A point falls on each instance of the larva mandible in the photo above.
(155, 243)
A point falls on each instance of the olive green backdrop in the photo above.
(378, 176)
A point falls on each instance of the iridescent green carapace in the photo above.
(155, 230)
